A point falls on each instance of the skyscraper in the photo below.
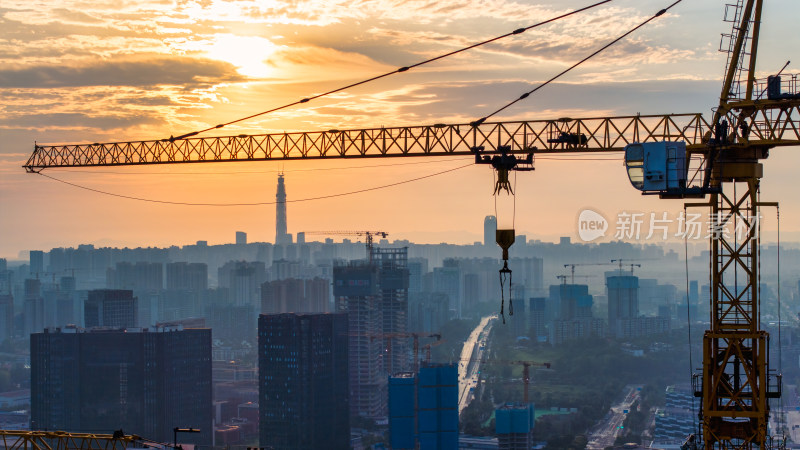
(184, 276)
(393, 281)
(303, 381)
(295, 295)
(37, 262)
(33, 306)
(6, 316)
(623, 300)
(489, 229)
(148, 380)
(110, 308)
(244, 280)
(281, 235)
(356, 290)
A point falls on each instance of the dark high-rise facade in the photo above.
(146, 381)
(281, 235)
(356, 289)
(110, 308)
(423, 409)
(140, 276)
(295, 295)
(184, 276)
(303, 381)
(392, 266)
(6, 316)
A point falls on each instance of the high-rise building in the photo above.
(437, 407)
(537, 314)
(393, 281)
(489, 231)
(514, 426)
(472, 290)
(282, 237)
(37, 262)
(148, 380)
(185, 276)
(447, 279)
(677, 418)
(357, 292)
(417, 269)
(403, 411)
(427, 311)
(244, 280)
(116, 308)
(303, 381)
(623, 300)
(6, 278)
(423, 409)
(575, 301)
(139, 276)
(33, 306)
(519, 320)
(6, 316)
(528, 272)
(295, 295)
(241, 238)
(232, 323)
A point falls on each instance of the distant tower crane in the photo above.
(572, 268)
(368, 234)
(620, 261)
(674, 156)
(526, 373)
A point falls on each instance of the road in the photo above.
(469, 363)
(791, 415)
(605, 433)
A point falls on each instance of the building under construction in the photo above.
(374, 293)
(355, 287)
(392, 266)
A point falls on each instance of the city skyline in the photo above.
(146, 71)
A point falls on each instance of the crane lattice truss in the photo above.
(767, 126)
(61, 440)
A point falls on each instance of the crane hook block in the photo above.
(505, 239)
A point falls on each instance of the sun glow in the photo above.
(247, 53)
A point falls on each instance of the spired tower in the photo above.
(281, 236)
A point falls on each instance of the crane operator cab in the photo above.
(657, 167)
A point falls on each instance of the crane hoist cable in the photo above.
(505, 237)
(595, 53)
(321, 197)
(399, 70)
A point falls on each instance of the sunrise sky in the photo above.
(92, 71)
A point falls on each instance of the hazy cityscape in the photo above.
(358, 341)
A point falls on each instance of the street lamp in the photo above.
(177, 430)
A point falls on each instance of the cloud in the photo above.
(74, 120)
(124, 71)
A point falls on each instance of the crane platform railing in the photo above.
(62, 440)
